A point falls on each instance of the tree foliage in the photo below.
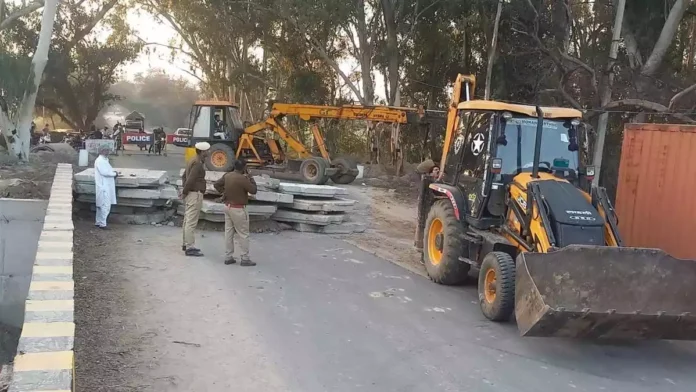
(91, 41)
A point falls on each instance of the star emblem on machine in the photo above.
(477, 143)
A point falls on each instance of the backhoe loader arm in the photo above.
(368, 113)
(275, 126)
(600, 201)
(466, 85)
(312, 112)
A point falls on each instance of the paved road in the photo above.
(318, 314)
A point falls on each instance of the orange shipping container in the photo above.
(656, 192)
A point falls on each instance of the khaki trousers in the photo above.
(236, 225)
(192, 203)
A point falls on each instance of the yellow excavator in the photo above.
(219, 124)
(513, 200)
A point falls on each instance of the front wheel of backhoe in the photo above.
(496, 286)
(220, 157)
(442, 245)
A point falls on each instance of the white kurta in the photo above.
(105, 184)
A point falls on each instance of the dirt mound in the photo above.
(32, 179)
(16, 188)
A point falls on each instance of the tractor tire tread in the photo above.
(451, 271)
(229, 151)
(321, 164)
(504, 305)
(344, 178)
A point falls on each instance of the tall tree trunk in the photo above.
(491, 52)
(606, 91)
(365, 52)
(21, 137)
(691, 47)
(242, 101)
(657, 55)
(392, 50)
(466, 48)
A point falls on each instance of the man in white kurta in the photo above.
(105, 182)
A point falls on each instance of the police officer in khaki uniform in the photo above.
(235, 187)
(193, 181)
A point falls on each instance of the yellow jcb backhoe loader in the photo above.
(515, 202)
(260, 144)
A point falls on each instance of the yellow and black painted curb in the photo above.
(45, 359)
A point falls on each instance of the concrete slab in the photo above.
(129, 178)
(163, 192)
(168, 192)
(272, 197)
(290, 216)
(325, 205)
(125, 201)
(299, 189)
(261, 181)
(339, 228)
(217, 218)
(262, 194)
(124, 210)
(212, 208)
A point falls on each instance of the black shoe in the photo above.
(104, 228)
(230, 261)
(247, 263)
(193, 252)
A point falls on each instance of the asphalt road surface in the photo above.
(318, 314)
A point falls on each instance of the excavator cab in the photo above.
(220, 124)
(514, 204)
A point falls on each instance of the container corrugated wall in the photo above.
(655, 199)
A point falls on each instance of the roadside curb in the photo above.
(45, 359)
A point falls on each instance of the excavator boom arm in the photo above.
(383, 114)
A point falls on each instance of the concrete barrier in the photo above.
(45, 360)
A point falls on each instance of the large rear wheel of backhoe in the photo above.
(496, 286)
(345, 167)
(220, 158)
(442, 245)
(313, 171)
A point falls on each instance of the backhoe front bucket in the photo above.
(606, 292)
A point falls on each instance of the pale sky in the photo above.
(150, 30)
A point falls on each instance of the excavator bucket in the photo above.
(606, 293)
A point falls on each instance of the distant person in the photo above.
(46, 130)
(193, 181)
(105, 184)
(160, 137)
(95, 133)
(235, 187)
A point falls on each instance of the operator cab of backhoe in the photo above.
(494, 142)
(220, 124)
(215, 120)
